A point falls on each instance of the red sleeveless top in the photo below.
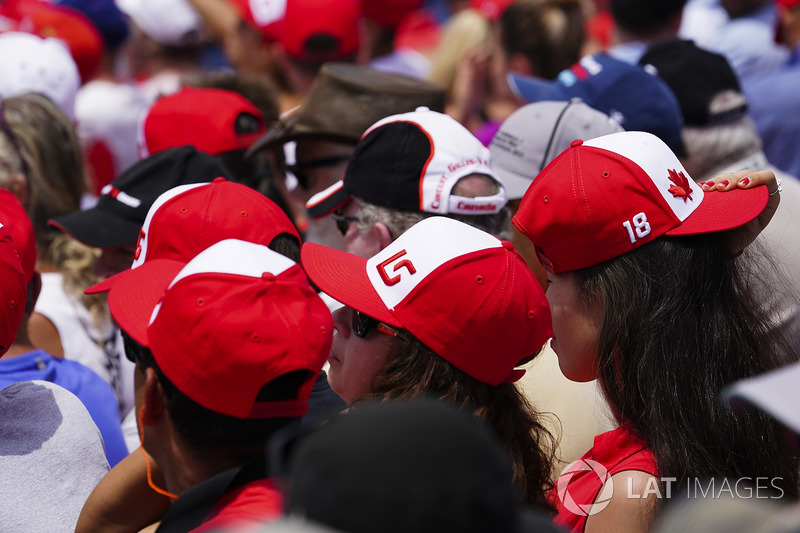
(579, 485)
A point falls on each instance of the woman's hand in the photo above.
(748, 179)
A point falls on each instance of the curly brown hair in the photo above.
(414, 371)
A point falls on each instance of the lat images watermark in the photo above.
(578, 502)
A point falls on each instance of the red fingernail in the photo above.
(724, 183)
(744, 181)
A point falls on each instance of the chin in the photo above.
(579, 375)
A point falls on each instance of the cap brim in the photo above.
(343, 276)
(535, 89)
(97, 228)
(107, 284)
(133, 297)
(289, 130)
(776, 393)
(721, 211)
(328, 201)
(514, 184)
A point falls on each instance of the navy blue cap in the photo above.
(110, 22)
(629, 94)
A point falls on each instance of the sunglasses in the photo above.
(343, 222)
(363, 323)
(299, 169)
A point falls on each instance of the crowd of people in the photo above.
(399, 265)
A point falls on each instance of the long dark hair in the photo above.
(682, 319)
(414, 371)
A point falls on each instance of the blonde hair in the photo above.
(75, 261)
(45, 139)
(466, 30)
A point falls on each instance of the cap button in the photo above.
(576, 142)
(268, 276)
(508, 245)
(219, 180)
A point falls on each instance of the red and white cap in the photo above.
(187, 219)
(602, 198)
(264, 15)
(212, 120)
(233, 319)
(411, 162)
(465, 294)
(15, 227)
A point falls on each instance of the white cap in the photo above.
(170, 22)
(30, 64)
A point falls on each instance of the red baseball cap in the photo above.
(602, 198)
(264, 15)
(69, 25)
(230, 321)
(334, 23)
(491, 9)
(214, 211)
(388, 13)
(19, 225)
(13, 279)
(788, 4)
(212, 120)
(463, 293)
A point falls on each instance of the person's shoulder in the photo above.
(632, 505)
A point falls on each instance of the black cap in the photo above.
(420, 466)
(124, 203)
(697, 76)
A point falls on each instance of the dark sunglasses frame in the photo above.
(363, 323)
(343, 222)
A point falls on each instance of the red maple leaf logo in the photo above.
(681, 188)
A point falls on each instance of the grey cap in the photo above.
(536, 133)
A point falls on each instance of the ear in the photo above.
(153, 408)
(519, 63)
(383, 235)
(18, 185)
(675, 23)
(37, 289)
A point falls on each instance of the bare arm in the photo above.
(123, 502)
(219, 16)
(44, 335)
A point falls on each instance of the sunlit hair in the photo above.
(466, 30)
(713, 147)
(53, 156)
(682, 319)
(414, 371)
(549, 33)
(76, 261)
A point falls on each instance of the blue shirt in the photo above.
(90, 389)
(774, 104)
